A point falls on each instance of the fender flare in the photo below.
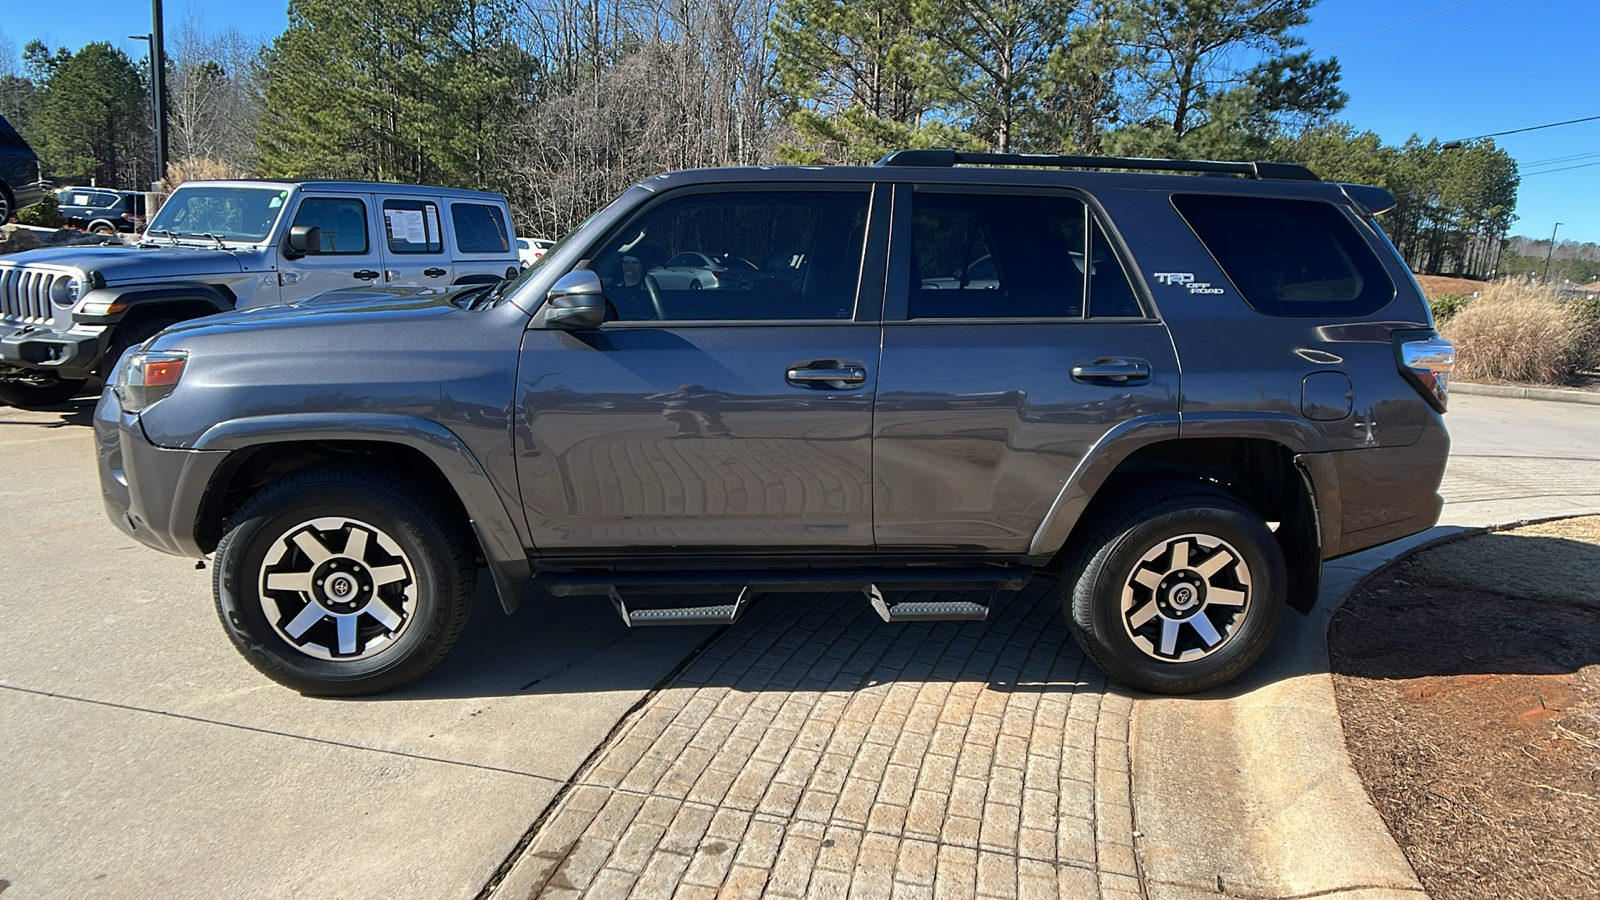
(486, 511)
(130, 297)
(1118, 443)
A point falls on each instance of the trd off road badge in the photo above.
(1186, 279)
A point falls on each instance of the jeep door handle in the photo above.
(848, 375)
(1112, 371)
(365, 274)
(433, 273)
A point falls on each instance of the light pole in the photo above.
(155, 104)
(1545, 279)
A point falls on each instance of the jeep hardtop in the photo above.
(1172, 396)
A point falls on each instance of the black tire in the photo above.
(1110, 592)
(7, 207)
(128, 335)
(38, 396)
(408, 529)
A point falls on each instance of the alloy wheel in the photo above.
(336, 588)
(1186, 597)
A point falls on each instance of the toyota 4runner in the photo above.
(1173, 396)
(68, 314)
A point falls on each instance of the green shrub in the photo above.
(45, 214)
(1445, 306)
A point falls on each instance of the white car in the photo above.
(530, 249)
(693, 271)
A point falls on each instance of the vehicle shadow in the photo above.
(78, 411)
(784, 642)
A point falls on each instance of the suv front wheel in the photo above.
(1176, 590)
(343, 580)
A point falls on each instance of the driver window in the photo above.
(343, 223)
(738, 257)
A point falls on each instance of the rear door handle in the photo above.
(433, 273)
(1112, 371)
(806, 376)
(365, 274)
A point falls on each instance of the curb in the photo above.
(1558, 395)
(1248, 790)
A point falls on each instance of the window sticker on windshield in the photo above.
(276, 201)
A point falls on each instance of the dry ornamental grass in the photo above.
(1517, 331)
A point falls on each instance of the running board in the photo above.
(724, 614)
(782, 581)
(927, 610)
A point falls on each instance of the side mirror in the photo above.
(304, 240)
(577, 301)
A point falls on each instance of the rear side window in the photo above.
(480, 228)
(412, 226)
(987, 256)
(1289, 257)
(343, 223)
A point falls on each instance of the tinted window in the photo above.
(986, 256)
(480, 228)
(1110, 293)
(739, 256)
(343, 223)
(9, 138)
(1289, 257)
(412, 226)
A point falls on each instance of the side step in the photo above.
(725, 614)
(928, 610)
(780, 581)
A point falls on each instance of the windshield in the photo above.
(244, 214)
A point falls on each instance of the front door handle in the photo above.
(832, 376)
(433, 273)
(365, 274)
(1112, 371)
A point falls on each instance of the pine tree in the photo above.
(94, 116)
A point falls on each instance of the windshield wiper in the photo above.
(170, 236)
(217, 238)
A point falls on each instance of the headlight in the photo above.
(65, 291)
(145, 376)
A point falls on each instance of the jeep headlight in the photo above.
(145, 376)
(65, 291)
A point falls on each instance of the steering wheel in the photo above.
(655, 297)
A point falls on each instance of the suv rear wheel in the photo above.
(342, 580)
(1176, 590)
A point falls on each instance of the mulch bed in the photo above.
(1474, 721)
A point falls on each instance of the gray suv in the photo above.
(67, 314)
(1172, 396)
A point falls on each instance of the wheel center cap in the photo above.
(343, 585)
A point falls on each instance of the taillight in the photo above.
(127, 217)
(1426, 360)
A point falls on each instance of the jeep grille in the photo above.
(25, 294)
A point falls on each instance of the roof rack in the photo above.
(948, 158)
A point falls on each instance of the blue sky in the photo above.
(1439, 68)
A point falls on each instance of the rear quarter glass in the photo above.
(1289, 257)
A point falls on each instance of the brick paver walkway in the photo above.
(813, 750)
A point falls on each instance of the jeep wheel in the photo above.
(343, 580)
(129, 335)
(1176, 590)
(47, 391)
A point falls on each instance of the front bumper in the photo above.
(153, 494)
(70, 354)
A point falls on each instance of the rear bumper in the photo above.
(153, 494)
(1390, 492)
(30, 194)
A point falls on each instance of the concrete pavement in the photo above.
(141, 756)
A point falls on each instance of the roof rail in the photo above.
(947, 158)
